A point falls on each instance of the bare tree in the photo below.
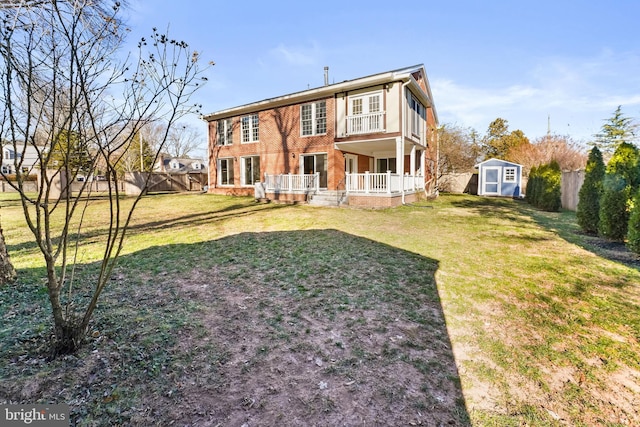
(61, 82)
(183, 140)
(561, 149)
(7, 272)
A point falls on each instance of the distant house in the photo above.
(168, 164)
(17, 156)
(370, 141)
(499, 178)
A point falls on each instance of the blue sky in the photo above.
(524, 61)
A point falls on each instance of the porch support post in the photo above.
(389, 182)
(317, 179)
(412, 161)
(289, 182)
(366, 182)
(400, 163)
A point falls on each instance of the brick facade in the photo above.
(281, 148)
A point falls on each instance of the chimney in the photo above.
(326, 75)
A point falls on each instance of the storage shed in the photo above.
(499, 178)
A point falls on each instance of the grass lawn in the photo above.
(459, 311)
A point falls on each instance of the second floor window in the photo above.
(250, 128)
(417, 111)
(8, 154)
(225, 132)
(314, 118)
(365, 104)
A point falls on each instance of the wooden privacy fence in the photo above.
(164, 182)
(570, 187)
(28, 186)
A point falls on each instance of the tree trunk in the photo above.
(7, 272)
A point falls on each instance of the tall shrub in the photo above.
(530, 189)
(614, 213)
(620, 184)
(633, 231)
(550, 197)
(588, 211)
(543, 187)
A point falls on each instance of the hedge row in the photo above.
(610, 197)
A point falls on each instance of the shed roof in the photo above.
(494, 160)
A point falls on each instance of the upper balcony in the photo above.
(365, 123)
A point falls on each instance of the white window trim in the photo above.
(507, 179)
(388, 159)
(252, 128)
(365, 102)
(219, 171)
(227, 135)
(314, 119)
(6, 169)
(243, 169)
(417, 117)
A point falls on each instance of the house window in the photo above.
(6, 169)
(250, 128)
(417, 111)
(225, 132)
(384, 165)
(196, 166)
(8, 154)
(365, 104)
(175, 165)
(509, 175)
(314, 118)
(225, 172)
(250, 170)
(25, 169)
(356, 106)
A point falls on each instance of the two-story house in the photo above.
(18, 157)
(370, 141)
(170, 164)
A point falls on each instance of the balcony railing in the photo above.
(365, 123)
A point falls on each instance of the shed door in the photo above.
(491, 180)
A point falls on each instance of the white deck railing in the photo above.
(382, 183)
(366, 183)
(288, 183)
(365, 123)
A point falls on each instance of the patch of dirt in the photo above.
(287, 362)
(615, 251)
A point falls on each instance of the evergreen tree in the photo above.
(633, 231)
(620, 184)
(616, 130)
(614, 213)
(588, 211)
(499, 141)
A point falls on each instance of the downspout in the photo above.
(403, 97)
(208, 161)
